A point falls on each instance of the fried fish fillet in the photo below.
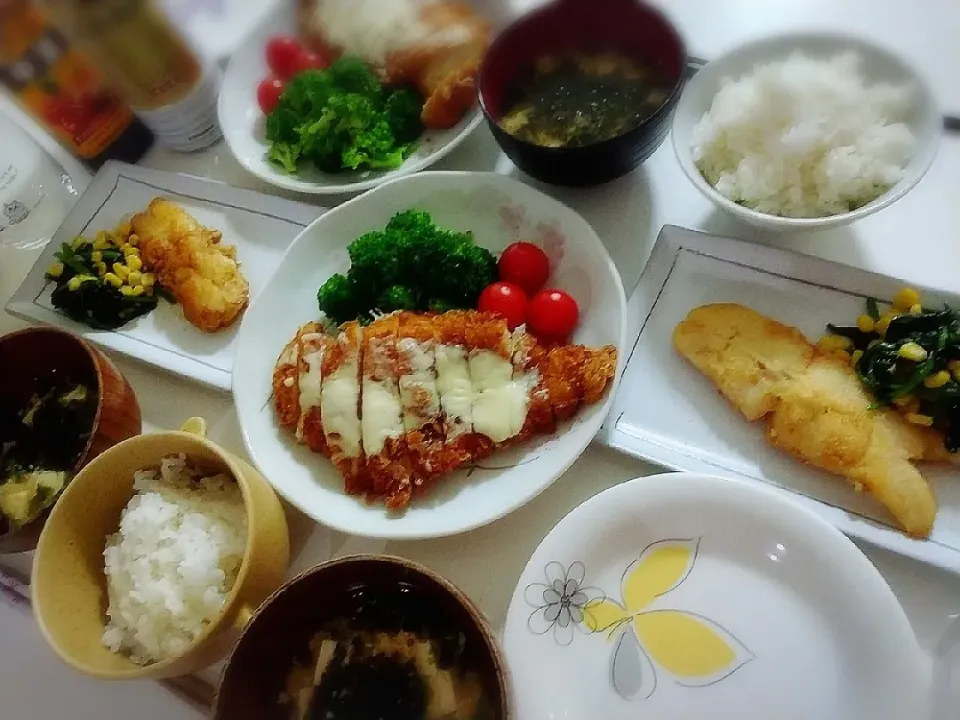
(813, 405)
(190, 262)
(412, 397)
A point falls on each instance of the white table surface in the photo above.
(918, 239)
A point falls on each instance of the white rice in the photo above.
(804, 137)
(174, 560)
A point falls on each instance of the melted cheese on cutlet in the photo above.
(310, 380)
(455, 388)
(339, 397)
(500, 400)
(418, 388)
(381, 411)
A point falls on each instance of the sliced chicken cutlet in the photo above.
(381, 413)
(296, 381)
(814, 405)
(190, 262)
(340, 406)
(313, 346)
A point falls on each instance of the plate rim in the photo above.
(601, 416)
(672, 239)
(870, 582)
(468, 124)
(21, 303)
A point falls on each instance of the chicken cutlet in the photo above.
(412, 397)
(813, 405)
(190, 262)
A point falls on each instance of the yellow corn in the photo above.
(112, 279)
(96, 256)
(954, 367)
(918, 419)
(937, 379)
(905, 299)
(843, 355)
(904, 401)
(137, 291)
(56, 270)
(912, 351)
(135, 277)
(883, 323)
(125, 247)
(74, 284)
(101, 245)
(134, 239)
(101, 268)
(126, 290)
(855, 358)
(134, 262)
(148, 280)
(865, 323)
(78, 243)
(916, 309)
(832, 343)
(121, 270)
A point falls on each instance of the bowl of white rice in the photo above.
(807, 130)
(156, 556)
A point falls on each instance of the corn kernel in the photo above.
(79, 243)
(96, 256)
(937, 379)
(137, 291)
(125, 247)
(865, 323)
(126, 290)
(112, 279)
(855, 358)
(133, 239)
(148, 279)
(101, 268)
(74, 283)
(905, 298)
(918, 419)
(99, 244)
(134, 262)
(882, 324)
(904, 401)
(121, 270)
(912, 351)
(56, 270)
(135, 277)
(843, 355)
(916, 309)
(832, 343)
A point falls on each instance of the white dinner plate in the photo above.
(667, 412)
(498, 210)
(260, 226)
(243, 123)
(690, 597)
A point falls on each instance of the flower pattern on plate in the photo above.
(693, 650)
(560, 603)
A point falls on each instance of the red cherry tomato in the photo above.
(283, 52)
(526, 265)
(268, 94)
(552, 315)
(309, 60)
(507, 300)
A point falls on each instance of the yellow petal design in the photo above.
(661, 567)
(694, 650)
(600, 615)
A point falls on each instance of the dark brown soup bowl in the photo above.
(280, 631)
(30, 355)
(628, 26)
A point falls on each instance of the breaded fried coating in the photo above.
(190, 262)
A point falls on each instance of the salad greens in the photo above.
(412, 264)
(343, 118)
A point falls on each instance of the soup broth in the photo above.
(582, 98)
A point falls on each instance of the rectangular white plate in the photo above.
(260, 226)
(668, 413)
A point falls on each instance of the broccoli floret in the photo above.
(353, 75)
(397, 297)
(440, 305)
(339, 299)
(374, 147)
(403, 109)
(376, 263)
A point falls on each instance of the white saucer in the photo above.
(689, 597)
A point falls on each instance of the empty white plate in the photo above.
(690, 597)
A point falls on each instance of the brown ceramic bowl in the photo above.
(69, 586)
(28, 355)
(254, 676)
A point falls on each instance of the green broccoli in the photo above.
(339, 299)
(397, 297)
(340, 119)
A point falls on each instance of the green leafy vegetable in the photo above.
(342, 118)
(412, 264)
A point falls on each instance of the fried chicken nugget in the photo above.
(190, 262)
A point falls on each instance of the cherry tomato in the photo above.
(507, 300)
(283, 52)
(268, 94)
(308, 60)
(552, 315)
(526, 265)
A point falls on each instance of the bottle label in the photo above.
(190, 124)
(62, 89)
